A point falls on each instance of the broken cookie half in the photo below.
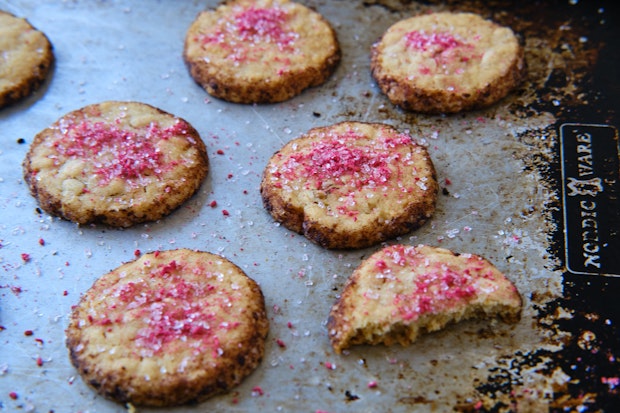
(403, 291)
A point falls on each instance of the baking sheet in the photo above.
(493, 203)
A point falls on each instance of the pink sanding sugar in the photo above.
(116, 152)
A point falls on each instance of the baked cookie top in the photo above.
(116, 163)
(350, 185)
(249, 51)
(402, 291)
(26, 57)
(168, 328)
(447, 62)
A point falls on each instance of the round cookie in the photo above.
(26, 57)
(447, 62)
(264, 51)
(116, 163)
(170, 328)
(403, 291)
(350, 185)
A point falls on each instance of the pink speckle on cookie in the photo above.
(437, 286)
(340, 160)
(381, 265)
(257, 24)
(118, 152)
(450, 53)
(250, 32)
(435, 42)
(349, 170)
(170, 308)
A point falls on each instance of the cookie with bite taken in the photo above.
(401, 292)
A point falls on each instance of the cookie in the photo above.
(26, 58)
(115, 163)
(350, 185)
(401, 292)
(169, 328)
(447, 62)
(263, 51)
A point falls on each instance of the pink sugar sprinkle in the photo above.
(437, 288)
(172, 307)
(334, 159)
(25, 257)
(169, 322)
(118, 153)
(451, 55)
(381, 265)
(339, 162)
(246, 36)
(257, 391)
(169, 268)
(264, 25)
(612, 382)
(437, 42)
